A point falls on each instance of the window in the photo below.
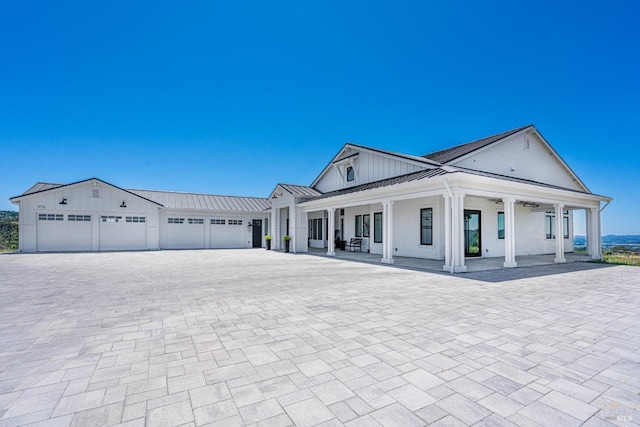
(500, 225)
(235, 222)
(377, 227)
(266, 226)
(351, 174)
(195, 221)
(111, 218)
(426, 226)
(316, 228)
(50, 217)
(135, 219)
(366, 225)
(218, 222)
(358, 225)
(175, 220)
(78, 218)
(550, 224)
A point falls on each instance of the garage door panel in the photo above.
(185, 233)
(122, 233)
(226, 234)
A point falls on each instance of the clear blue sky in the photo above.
(233, 97)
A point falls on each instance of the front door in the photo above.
(257, 233)
(472, 240)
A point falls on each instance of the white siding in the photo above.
(81, 236)
(510, 158)
(406, 223)
(369, 167)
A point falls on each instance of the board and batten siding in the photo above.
(511, 157)
(370, 167)
(406, 223)
(80, 200)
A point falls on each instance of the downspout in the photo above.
(451, 222)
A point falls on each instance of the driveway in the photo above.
(252, 337)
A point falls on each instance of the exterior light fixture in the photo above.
(123, 205)
(63, 201)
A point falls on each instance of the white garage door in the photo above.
(185, 233)
(226, 234)
(59, 232)
(118, 233)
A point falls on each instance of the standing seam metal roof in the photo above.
(449, 154)
(173, 200)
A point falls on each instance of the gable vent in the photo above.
(95, 193)
(527, 144)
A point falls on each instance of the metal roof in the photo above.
(173, 200)
(41, 186)
(413, 176)
(300, 190)
(449, 154)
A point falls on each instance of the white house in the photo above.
(498, 196)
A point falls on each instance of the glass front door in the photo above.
(472, 241)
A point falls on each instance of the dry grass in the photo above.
(622, 255)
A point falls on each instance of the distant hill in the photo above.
(8, 231)
(611, 240)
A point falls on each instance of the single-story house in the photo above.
(506, 195)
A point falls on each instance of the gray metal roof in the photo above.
(449, 154)
(173, 200)
(41, 186)
(413, 176)
(300, 190)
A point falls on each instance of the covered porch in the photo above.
(472, 264)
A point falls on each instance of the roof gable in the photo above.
(521, 153)
(449, 154)
(42, 187)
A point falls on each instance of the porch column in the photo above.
(448, 242)
(509, 233)
(457, 233)
(559, 207)
(331, 250)
(292, 227)
(275, 228)
(387, 232)
(596, 233)
(589, 231)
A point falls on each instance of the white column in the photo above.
(292, 226)
(387, 232)
(589, 231)
(448, 241)
(509, 233)
(559, 207)
(597, 234)
(457, 235)
(331, 216)
(275, 228)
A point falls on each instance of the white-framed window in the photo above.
(235, 222)
(195, 221)
(175, 220)
(79, 218)
(426, 226)
(550, 224)
(136, 219)
(218, 222)
(50, 217)
(110, 218)
(351, 174)
(501, 225)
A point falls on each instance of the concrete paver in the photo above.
(253, 337)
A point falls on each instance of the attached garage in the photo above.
(226, 233)
(60, 232)
(126, 233)
(185, 233)
(93, 215)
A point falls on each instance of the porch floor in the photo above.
(473, 264)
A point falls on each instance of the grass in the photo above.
(621, 255)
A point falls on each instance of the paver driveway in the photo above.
(249, 336)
